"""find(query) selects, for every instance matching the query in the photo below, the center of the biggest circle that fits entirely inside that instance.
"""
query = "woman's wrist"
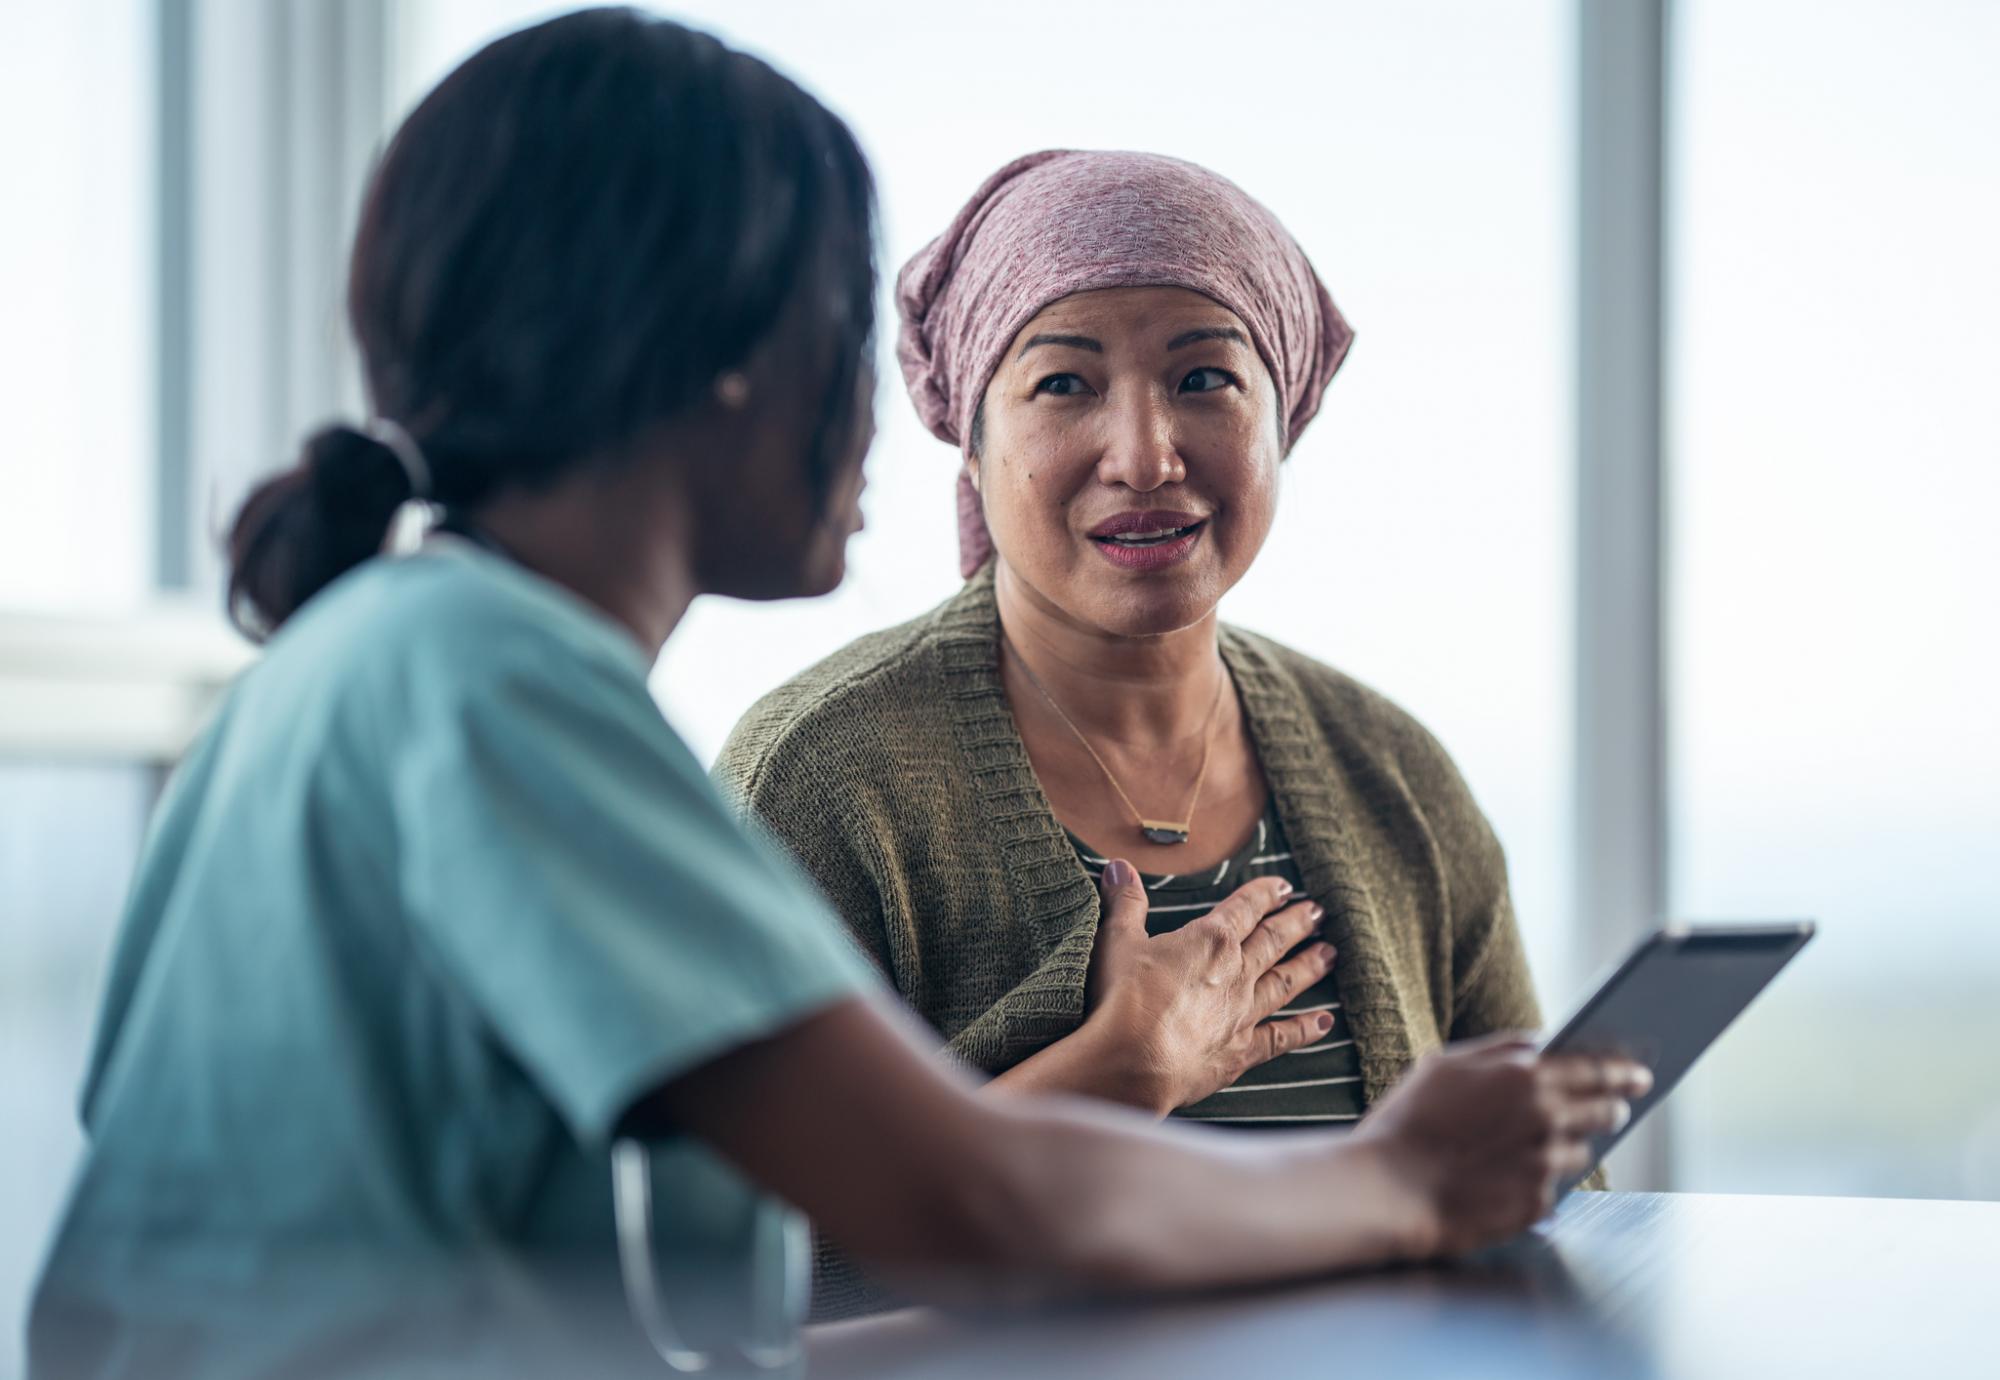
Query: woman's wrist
(1127, 1070)
(1098, 1059)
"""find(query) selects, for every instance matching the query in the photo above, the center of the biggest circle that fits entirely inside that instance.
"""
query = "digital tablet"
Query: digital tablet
(1670, 999)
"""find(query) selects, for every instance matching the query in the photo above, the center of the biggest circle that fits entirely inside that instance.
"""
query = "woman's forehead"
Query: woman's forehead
(1128, 315)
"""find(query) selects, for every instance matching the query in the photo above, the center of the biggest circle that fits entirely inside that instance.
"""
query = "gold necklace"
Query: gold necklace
(1160, 831)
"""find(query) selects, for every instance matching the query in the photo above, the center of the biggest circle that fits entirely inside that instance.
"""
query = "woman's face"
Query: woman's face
(1128, 457)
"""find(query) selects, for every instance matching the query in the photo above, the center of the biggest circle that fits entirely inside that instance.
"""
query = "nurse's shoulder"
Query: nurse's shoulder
(404, 640)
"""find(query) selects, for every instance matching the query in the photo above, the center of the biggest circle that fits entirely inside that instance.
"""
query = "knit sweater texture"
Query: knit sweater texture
(893, 770)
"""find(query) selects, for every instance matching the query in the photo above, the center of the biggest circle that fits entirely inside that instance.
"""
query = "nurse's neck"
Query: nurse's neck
(614, 535)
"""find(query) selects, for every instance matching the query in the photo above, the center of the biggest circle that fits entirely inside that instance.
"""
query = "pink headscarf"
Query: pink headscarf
(1064, 221)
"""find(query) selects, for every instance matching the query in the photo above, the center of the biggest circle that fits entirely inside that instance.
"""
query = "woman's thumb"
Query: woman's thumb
(1124, 912)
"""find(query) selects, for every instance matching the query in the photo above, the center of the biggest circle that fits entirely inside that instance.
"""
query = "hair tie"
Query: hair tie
(399, 443)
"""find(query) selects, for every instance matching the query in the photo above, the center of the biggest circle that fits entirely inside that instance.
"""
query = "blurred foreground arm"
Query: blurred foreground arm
(952, 1196)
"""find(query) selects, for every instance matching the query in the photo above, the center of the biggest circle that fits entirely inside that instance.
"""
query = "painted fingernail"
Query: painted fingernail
(1284, 887)
(1118, 872)
(1317, 911)
(1323, 1022)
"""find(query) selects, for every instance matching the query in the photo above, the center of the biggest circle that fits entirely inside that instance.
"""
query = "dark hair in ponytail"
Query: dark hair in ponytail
(301, 530)
(565, 244)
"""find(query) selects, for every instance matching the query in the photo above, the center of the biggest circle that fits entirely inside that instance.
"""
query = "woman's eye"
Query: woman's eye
(1206, 381)
(1061, 385)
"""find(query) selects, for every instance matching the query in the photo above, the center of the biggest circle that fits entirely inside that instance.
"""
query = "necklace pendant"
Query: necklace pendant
(1163, 831)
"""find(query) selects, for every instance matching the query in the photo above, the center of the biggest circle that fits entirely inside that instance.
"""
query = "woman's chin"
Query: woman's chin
(1148, 591)
(1121, 603)
(1153, 605)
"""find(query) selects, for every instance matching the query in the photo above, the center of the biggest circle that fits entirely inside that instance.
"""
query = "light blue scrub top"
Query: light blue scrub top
(436, 898)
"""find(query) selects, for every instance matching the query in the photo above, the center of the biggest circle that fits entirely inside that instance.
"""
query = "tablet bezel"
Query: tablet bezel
(1781, 940)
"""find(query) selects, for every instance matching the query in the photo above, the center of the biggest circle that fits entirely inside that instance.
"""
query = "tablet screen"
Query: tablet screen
(1671, 998)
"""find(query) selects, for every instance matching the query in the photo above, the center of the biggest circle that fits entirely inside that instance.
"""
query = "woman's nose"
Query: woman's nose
(1141, 453)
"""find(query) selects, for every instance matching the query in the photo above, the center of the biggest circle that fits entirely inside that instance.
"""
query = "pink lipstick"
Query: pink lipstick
(1148, 539)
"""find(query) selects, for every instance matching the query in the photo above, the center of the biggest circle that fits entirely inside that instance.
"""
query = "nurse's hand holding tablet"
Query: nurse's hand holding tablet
(1487, 1132)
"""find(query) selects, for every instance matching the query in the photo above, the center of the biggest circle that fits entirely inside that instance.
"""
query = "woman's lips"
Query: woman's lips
(1152, 549)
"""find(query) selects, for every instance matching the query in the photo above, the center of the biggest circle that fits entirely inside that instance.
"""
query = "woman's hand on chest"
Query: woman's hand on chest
(1188, 1013)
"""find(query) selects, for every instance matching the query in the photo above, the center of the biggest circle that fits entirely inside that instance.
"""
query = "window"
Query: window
(1835, 584)
(76, 275)
(69, 835)
(77, 347)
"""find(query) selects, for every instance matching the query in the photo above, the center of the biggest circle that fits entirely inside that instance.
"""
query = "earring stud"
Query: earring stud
(732, 389)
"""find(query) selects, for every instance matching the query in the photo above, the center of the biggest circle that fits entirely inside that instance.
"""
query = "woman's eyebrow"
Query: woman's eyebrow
(1075, 342)
(1207, 333)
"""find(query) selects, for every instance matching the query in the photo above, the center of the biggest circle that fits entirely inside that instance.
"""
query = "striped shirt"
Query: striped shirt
(1320, 1082)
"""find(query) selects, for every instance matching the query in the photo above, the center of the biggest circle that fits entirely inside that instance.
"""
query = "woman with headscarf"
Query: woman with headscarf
(1124, 348)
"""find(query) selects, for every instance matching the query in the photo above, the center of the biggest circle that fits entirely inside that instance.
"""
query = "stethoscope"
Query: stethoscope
(632, 1208)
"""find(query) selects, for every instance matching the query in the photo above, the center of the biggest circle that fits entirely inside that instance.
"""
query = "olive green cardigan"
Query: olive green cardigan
(894, 772)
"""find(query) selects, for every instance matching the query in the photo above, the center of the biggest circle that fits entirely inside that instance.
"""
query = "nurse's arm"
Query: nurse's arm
(953, 1196)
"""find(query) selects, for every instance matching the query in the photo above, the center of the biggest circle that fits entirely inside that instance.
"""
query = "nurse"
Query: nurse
(453, 1025)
